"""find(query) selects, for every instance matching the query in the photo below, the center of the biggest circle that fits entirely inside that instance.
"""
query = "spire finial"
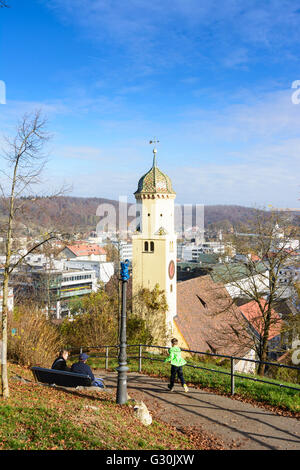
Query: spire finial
(154, 142)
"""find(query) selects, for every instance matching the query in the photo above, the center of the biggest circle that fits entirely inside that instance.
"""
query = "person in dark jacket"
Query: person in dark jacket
(81, 367)
(60, 362)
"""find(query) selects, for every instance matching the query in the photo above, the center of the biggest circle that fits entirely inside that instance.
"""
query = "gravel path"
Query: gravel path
(239, 425)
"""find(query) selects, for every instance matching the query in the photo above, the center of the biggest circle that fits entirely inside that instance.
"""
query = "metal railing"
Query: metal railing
(233, 361)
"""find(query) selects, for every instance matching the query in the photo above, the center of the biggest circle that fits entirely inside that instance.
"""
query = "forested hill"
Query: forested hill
(83, 214)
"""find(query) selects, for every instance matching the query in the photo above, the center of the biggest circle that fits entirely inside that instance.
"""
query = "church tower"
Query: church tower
(154, 244)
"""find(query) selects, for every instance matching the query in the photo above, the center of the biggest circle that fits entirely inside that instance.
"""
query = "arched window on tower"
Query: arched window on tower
(152, 246)
(146, 246)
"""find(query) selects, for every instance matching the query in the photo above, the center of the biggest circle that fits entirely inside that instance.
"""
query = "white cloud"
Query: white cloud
(80, 153)
(241, 154)
(175, 30)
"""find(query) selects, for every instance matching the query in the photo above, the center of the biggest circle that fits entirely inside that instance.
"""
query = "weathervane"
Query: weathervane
(154, 142)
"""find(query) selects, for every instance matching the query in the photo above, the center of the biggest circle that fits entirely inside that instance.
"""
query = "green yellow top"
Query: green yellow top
(175, 357)
(155, 181)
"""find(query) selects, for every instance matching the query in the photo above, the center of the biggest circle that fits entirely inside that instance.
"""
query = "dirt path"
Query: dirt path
(239, 425)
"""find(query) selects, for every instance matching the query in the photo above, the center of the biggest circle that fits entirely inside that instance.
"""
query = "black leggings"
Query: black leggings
(176, 370)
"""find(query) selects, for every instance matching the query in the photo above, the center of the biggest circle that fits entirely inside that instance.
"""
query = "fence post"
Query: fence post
(232, 375)
(106, 358)
(140, 358)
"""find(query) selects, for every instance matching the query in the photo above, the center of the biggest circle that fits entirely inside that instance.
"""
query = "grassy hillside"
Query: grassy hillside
(47, 418)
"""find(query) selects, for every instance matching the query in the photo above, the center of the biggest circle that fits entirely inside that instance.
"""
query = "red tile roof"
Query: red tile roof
(208, 319)
(86, 249)
(254, 316)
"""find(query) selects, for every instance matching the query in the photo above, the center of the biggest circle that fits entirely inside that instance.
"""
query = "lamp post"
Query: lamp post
(122, 369)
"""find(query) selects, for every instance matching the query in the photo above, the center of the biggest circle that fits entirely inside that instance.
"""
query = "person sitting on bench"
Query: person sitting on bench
(60, 362)
(81, 367)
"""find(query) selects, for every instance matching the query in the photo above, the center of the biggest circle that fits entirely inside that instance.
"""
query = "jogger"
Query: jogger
(176, 365)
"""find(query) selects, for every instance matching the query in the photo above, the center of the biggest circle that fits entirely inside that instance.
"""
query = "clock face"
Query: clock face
(171, 269)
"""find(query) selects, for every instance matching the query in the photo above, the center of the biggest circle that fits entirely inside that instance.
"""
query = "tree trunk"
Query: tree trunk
(263, 358)
(264, 345)
(4, 372)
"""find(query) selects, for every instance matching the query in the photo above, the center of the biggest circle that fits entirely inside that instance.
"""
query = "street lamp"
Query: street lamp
(122, 369)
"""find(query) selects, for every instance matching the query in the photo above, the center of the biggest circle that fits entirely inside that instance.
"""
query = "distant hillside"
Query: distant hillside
(79, 214)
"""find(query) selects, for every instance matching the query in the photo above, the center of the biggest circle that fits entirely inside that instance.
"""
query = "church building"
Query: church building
(200, 311)
(154, 245)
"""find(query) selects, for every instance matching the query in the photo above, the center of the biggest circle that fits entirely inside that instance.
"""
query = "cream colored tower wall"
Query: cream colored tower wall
(152, 267)
(157, 213)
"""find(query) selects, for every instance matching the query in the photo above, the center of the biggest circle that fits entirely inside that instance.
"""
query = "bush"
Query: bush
(288, 375)
(137, 331)
(93, 322)
(32, 339)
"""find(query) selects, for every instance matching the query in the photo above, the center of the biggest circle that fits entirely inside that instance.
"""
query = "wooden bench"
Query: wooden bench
(60, 377)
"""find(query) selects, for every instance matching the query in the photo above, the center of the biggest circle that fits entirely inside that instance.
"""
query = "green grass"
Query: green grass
(40, 428)
(273, 395)
(47, 418)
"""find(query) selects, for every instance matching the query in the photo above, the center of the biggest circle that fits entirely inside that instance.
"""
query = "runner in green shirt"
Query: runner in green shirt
(176, 365)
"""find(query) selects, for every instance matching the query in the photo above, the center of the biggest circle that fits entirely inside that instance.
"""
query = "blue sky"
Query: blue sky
(211, 79)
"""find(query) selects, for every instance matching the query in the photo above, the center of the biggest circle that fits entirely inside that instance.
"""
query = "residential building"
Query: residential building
(103, 270)
(125, 250)
(83, 250)
(208, 322)
(53, 289)
(289, 274)
(252, 313)
(240, 278)
(191, 252)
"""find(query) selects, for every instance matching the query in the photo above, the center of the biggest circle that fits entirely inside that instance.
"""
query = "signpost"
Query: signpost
(122, 369)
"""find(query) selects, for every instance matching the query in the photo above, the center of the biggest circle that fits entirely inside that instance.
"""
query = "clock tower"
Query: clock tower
(154, 244)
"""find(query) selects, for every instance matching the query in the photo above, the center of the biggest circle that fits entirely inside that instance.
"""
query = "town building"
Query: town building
(54, 289)
(289, 275)
(252, 313)
(207, 321)
(192, 314)
(154, 244)
(103, 270)
(125, 250)
(192, 252)
(84, 250)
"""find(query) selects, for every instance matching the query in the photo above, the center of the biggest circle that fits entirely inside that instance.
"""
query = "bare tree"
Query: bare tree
(267, 249)
(3, 4)
(26, 160)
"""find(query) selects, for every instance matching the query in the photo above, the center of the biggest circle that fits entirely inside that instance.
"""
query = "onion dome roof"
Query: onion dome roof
(155, 181)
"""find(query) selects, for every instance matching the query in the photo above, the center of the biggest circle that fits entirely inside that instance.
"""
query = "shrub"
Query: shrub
(93, 322)
(288, 375)
(151, 306)
(32, 339)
